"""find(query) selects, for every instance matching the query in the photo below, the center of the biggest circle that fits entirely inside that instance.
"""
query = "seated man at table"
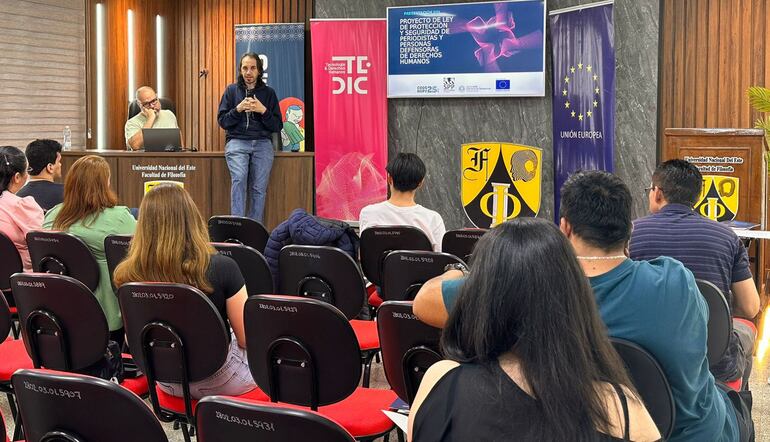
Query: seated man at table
(44, 159)
(150, 116)
(710, 250)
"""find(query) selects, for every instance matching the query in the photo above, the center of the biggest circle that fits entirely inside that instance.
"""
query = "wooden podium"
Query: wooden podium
(734, 168)
(206, 177)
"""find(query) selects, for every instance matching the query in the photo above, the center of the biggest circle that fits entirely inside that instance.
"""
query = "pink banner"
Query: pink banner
(351, 115)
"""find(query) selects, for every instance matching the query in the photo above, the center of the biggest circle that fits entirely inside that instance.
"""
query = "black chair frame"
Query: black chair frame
(414, 372)
(307, 288)
(177, 344)
(315, 286)
(11, 264)
(416, 278)
(61, 436)
(719, 315)
(221, 232)
(274, 363)
(461, 242)
(57, 331)
(305, 368)
(283, 423)
(661, 407)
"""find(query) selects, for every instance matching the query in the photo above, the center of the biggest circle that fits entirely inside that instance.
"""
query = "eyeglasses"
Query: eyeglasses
(149, 103)
(647, 190)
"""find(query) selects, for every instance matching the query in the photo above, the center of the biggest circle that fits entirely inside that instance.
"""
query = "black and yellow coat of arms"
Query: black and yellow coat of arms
(719, 198)
(500, 181)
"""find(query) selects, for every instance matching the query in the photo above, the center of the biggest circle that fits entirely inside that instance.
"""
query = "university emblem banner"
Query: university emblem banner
(583, 91)
(500, 181)
(719, 198)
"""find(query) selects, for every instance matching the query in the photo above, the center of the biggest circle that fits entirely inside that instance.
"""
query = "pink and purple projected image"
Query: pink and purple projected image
(467, 49)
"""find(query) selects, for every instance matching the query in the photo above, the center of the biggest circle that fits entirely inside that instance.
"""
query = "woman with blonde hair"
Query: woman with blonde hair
(171, 244)
(90, 212)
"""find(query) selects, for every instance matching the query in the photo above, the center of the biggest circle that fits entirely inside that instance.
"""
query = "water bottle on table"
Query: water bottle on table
(67, 138)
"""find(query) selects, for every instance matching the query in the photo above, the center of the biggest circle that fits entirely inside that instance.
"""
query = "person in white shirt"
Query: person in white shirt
(406, 173)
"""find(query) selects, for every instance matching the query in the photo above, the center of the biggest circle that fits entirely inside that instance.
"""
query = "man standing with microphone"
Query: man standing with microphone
(249, 114)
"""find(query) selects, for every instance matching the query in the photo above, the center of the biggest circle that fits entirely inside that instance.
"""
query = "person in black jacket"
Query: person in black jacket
(249, 113)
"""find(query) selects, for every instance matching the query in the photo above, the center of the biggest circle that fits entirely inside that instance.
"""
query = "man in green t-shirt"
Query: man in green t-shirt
(150, 116)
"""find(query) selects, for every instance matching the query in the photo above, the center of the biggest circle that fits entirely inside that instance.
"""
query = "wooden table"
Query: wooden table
(206, 176)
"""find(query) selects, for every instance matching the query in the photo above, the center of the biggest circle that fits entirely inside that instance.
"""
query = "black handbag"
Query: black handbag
(110, 367)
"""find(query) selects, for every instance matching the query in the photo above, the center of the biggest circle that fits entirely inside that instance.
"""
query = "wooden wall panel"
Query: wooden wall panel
(206, 41)
(42, 79)
(711, 52)
(199, 36)
(116, 59)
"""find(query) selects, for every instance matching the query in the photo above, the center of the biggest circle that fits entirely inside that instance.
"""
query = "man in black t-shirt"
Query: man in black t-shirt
(44, 157)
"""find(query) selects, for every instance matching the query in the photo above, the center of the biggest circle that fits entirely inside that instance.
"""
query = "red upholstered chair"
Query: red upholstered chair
(405, 271)
(13, 356)
(176, 335)
(238, 230)
(329, 274)
(83, 408)
(461, 242)
(409, 347)
(304, 352)
(377, 242)
(252, 264)
(63, 325)
(10, 263)
(220, 419)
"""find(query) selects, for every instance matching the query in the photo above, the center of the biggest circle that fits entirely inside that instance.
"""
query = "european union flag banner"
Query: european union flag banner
(281, 46)
(583, 91)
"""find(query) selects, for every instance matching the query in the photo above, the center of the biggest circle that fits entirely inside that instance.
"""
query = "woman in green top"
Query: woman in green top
(90, 212)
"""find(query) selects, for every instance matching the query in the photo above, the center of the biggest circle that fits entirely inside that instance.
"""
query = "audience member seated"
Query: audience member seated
(655, 304)
(90, 212)
(710, 250)
(171, 244)
(522, 368)
(44, 157)
(18, 215)
(151, 116)
(406, 173)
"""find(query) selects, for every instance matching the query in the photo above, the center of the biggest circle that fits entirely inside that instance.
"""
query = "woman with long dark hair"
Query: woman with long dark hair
(249, 114)
(528, 356)
(17, 215)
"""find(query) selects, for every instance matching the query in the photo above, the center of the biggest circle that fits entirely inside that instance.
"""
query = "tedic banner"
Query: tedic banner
(350, 115)
(583, 92)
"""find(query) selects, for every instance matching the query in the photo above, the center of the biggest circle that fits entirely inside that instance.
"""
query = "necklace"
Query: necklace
(601, 258)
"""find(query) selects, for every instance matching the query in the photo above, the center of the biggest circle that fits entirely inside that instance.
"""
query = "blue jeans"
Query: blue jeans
(249, 162)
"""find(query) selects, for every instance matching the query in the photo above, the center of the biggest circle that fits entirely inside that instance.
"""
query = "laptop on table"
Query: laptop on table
(162, 140)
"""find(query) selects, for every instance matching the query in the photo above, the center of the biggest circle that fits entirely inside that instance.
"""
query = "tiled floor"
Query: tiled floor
(759, 387)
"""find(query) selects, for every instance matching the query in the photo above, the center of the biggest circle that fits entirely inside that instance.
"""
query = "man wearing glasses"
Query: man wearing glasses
(151, 116)
(712, 251)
